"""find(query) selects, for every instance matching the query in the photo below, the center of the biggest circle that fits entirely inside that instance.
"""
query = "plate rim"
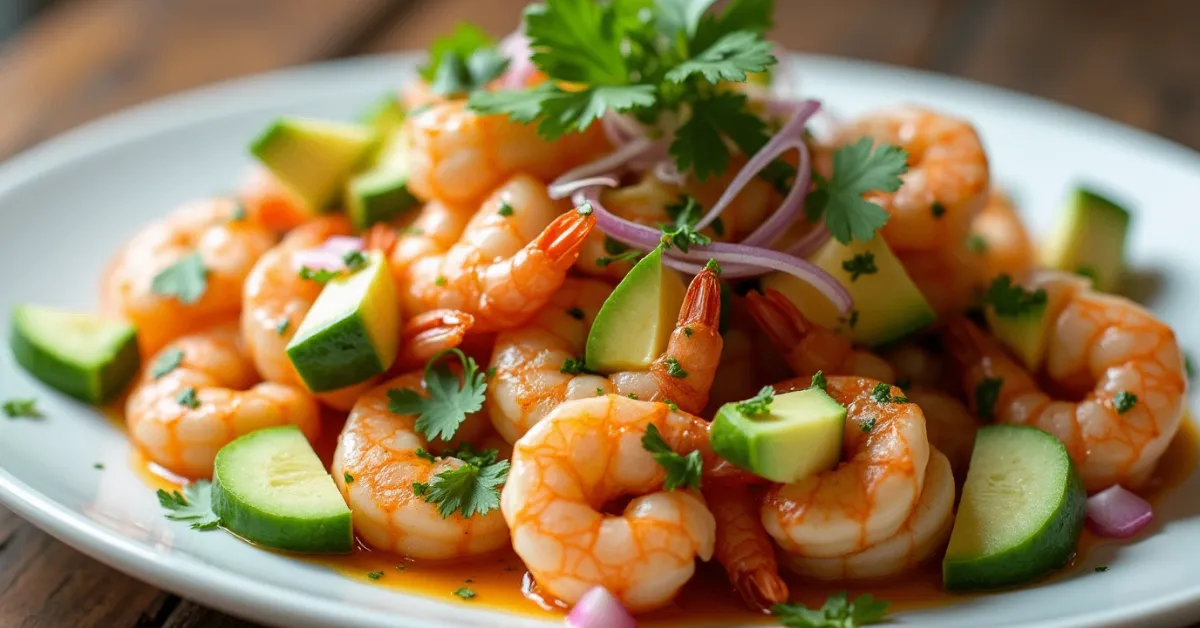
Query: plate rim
(187, 576)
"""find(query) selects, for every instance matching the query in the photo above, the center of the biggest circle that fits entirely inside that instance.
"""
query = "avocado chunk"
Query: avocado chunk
(633, 326)
(313, 158)
(1089, 239)
(1025, 331)
(381, 193)
(270, 488)
(351, 332)
(384, 115)
(800, 435)
(83, 355)
(887, 304)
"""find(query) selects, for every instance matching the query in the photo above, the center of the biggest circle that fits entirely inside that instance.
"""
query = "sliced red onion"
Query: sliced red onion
(317, 259)
(667, 170)
(565, 185)
(342, 245)
(520, 64)
(620, 128)
(1118, 513)
(599, 609)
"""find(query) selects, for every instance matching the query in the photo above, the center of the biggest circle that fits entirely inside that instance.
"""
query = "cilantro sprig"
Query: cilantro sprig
(462, 62)
(838, 612)
(450, 399)
(1012, 300)
(21, 409)
(471, 488)
(858, 168)
(758, 404)
(193, 505)
(682, 471)
(186, 280)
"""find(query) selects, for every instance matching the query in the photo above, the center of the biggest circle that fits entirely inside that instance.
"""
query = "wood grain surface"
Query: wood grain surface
(1136, 62)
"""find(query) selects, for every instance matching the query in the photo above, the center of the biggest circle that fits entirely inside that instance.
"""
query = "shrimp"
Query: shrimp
(228, 248)
(743, 547)
(950, 279)
(502, 271)
(375, 465)
(916, 365)
(434, 230)
(1130, 360)
(269, 203)
(275, 302)
(180, 419)
(748, 358)
(946, 184)
(585, 454)
(923, 533)
(949, 426)
(1000, 239)
(425, 335)
(870, 495)
(458, 156)
(808, 347)
(533, 375)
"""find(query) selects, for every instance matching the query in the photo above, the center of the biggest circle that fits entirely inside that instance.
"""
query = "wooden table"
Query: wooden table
(1137, 62)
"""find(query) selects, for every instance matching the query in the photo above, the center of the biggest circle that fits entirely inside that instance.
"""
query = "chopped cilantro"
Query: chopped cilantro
(687, 331)
(937, 209)
(674, 407)
(683, 237)
(818, 381)
(347, 478)
(449, 401)
(613, 246)
(168, 360)
(838, 612)
(712, 265)
(851, 319)
(186, 280)
(187, 398)
(1101, 569)
(473, 487)
(440, 280)
(21, 409)
(1124, 401)
(239, 212)
(572, 366)
(858, 168)
(882, 393)
(505, 210)
(194, 505)
(976, 243)
(633, 396)
(283, 326)
(1011, 300)
(681, 470)
(423, 454)
(319, 275)
(375, 575)
(354, 260)
(99, 466)
(674, 370)
(758, 404)
(987, 393)
(867, 425)
(599, 391)
(465, 593)
(575, 313)
(462, 62)
(861, 264)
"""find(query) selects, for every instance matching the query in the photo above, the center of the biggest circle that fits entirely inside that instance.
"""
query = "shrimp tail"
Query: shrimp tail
(778, 317)
(702, 302)
(743, 547)
(685, 371)
(427, 333)
(563, 238)
(966, 344)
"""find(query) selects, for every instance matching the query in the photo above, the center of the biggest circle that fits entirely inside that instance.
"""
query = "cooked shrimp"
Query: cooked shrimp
(870, 495)
(275, 301)
(585, 454)
(808, 347)
(923, 534)
(950, 279)
(502, 270)
(748, 358)
(228, 248)
(743, 547)
(181, 418)
(425, 335)
(532, 373)
(434, 230)
(270, 204)
(375, 466)
(946, 184)
(949, 425)
(458, 156)
(1130, 360)
(1001, 241)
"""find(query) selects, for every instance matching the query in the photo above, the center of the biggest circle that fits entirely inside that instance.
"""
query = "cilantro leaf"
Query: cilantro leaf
(860, 264)
(1124, 401)
(578, 41)
(987, 393)
(194, 505)
(818, 381)
(867, 425)
(681, 470)
(354, 260)
(458, 75)
(465, 593)
(186, 280)
(573, 366)
(319, 275)
(758, 404)
(739, 15)
(674, 369)
(464, 40)
(1010, 300)
(699, 143)
(167, 361)
(187, 398)
(470, 488)
(858, 168)
(21, 409)
(730, 58)
(680, 17)
(449, 401)
(838, 612)
(558, 111)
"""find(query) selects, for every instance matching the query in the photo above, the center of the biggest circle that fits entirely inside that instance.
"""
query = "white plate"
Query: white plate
(66, 206)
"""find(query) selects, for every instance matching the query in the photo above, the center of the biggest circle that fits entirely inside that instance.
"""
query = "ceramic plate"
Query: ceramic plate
(66, 206)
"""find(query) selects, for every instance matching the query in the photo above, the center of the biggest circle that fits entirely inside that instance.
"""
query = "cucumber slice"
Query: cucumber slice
(270, 488)
(800, 435)
(1021, 514)
(83, 355)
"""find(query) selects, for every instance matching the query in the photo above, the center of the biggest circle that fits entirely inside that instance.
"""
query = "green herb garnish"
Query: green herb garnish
(193, 505)
(758, 404)
(818, 381)
(861, 264)
(450, 400)
(1124, 401)
(858, 168)
(187, 398)
(168, 360)
(473, 487)
(186, 280)
(987, 393)
(21, 409)
(319, 275)
(462, 62)
(838, 612)
(674, 370)
(681, 470)
(1011, 300)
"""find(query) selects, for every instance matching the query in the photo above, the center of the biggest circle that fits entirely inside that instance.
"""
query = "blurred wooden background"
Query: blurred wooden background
(1136, 62)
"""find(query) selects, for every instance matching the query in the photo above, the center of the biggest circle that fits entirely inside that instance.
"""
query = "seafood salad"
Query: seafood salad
(603, 303)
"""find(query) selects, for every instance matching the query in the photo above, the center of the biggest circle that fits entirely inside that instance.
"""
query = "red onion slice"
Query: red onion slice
(1118, 513)
(565, 185)
(599, 609)
(342, 245)
(317, 259)
(520, 64)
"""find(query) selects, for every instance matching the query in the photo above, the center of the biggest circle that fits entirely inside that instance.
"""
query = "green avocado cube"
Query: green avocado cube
(314, 158)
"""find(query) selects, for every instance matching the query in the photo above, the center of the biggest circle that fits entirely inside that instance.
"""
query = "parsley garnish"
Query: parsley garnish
(21, 409)
(1189, 367)
(505, 210)
(347, 478)
(599, 391)
(462, 62)
(681, 470)
(633, 396)
(758, 404)
(868, 425)
(465, 593)
(838, 612)
(674, 407)
(449, 401)
(683, 237)
(354, 260)
(473, 487)
(986, 395)
(1124, 401)
(167, 361)
(937, 209)
(861, 264)
(193, 505)
(572, 366)
(1101, 569)
(882, 393)
(440, 280)
(425, 455)
(712, 265)
(687, 331)
(489, 373)
(186, 280)
(319, 275)
(99, 466)
(283, 326)
(187, 398)
(575, 313)
(674, 370)
(375, 575)
(976, 243)
(1009, 300)
(818, 381)
(858, 168)
(239, 212)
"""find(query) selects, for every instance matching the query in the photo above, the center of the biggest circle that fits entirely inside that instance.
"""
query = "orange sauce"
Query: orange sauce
(500, 582)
